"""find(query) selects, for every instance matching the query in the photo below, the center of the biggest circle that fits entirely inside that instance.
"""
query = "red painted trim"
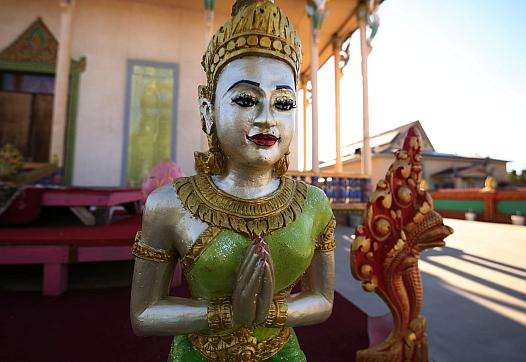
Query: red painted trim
(490, 199)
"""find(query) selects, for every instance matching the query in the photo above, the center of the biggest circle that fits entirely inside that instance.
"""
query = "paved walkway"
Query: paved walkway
(474, 292)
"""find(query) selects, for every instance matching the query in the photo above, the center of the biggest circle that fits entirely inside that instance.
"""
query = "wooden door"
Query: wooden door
(15, 119)
(25, 122)
(40, 133)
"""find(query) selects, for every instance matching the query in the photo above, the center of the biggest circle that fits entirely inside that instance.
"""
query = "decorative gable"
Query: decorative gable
(36, 45)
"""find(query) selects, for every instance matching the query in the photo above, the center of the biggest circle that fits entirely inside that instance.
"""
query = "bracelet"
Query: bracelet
(146, 252)
(219, 314)
(277, 313)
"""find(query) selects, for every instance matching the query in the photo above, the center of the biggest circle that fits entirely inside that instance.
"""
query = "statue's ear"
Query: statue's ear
(206, 109)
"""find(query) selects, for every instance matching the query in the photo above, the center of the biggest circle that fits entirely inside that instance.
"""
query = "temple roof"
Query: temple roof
(392, 140)
(388, 142)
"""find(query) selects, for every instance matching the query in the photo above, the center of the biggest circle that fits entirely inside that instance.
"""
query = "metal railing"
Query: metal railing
(345, 191)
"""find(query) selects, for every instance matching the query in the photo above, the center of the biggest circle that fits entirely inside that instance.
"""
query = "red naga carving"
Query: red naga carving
(399, 223)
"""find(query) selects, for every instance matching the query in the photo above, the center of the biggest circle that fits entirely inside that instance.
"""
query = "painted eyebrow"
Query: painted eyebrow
(284, 87)
(246, 81)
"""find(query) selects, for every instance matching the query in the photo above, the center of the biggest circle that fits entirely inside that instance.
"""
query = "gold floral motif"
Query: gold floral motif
(146, 252)
(219, 314)
(239, 346)
(326, 241)
(250, 217)
(198, 248)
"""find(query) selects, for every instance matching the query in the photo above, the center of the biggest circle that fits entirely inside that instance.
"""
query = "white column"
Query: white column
(366, 149)
(209, 26)
(60, 97)
(314, 82)
(305, 104)
(294, 147)
(337, 44)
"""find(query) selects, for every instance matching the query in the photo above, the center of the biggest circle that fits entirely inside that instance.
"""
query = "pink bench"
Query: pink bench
(56, 247)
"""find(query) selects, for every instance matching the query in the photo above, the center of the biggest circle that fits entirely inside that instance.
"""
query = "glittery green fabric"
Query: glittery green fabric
(292, 247)
(213, 274)
(182, 351)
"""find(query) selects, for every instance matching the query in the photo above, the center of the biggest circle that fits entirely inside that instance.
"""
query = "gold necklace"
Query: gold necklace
(248, 216)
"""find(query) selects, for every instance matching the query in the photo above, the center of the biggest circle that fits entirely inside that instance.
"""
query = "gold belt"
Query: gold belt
(239, 346)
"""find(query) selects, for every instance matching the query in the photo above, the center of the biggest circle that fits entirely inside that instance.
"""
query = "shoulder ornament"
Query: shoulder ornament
(326, 240)
(146, 252)
(247, 216)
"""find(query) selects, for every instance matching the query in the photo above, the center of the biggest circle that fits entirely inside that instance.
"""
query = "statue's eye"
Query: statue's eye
(284, 103)
(245, 100)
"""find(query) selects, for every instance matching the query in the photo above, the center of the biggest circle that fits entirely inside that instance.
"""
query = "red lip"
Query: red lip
(262, 139)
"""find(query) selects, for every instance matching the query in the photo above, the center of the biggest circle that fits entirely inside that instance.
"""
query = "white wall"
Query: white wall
(108, 33)
(15, 17)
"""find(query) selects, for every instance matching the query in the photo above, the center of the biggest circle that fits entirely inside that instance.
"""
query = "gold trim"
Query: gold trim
(326, 241)
(239, 346)
(219, 314)
(198, 248)
(248, 216)
(277, 313)
(256, 28)
(146, 252)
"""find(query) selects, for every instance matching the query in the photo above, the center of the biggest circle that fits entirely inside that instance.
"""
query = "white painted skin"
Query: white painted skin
(249, 166)
(235, 122)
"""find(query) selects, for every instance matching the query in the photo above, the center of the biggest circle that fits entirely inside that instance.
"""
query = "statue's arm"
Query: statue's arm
(314, 303)
(152, 310)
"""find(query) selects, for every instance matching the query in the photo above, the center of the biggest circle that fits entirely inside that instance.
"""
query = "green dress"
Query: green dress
(294, 217)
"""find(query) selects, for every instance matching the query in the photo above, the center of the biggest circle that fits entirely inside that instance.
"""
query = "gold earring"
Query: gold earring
(211, 162)
(281, 167)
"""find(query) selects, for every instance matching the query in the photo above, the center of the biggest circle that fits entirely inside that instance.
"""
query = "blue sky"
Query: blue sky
(458, 66)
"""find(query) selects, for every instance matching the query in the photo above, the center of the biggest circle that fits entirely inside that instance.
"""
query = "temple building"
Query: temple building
(106, 89)
(440, 170)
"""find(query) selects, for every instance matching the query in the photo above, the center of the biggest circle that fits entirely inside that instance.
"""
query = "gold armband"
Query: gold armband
(326, 240)
(146, 252)
(219, 314)
(277, 312)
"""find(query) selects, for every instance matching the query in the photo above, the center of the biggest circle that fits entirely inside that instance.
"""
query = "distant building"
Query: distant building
(440, 170)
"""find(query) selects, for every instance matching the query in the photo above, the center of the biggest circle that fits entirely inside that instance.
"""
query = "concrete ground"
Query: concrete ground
(474, 292)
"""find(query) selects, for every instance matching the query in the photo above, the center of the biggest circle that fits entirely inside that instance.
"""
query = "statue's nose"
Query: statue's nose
(265, 118)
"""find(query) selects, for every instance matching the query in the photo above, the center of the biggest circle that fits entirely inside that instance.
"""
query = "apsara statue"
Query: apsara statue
(399, 223)
(242, 231)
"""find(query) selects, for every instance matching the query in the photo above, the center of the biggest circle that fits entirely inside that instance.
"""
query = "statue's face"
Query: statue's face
(254, 111)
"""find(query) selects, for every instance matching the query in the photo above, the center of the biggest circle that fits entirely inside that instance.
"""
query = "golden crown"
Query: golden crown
(257, 27)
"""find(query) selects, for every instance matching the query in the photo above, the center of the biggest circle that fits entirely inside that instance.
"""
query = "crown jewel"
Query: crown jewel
(257, 27)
